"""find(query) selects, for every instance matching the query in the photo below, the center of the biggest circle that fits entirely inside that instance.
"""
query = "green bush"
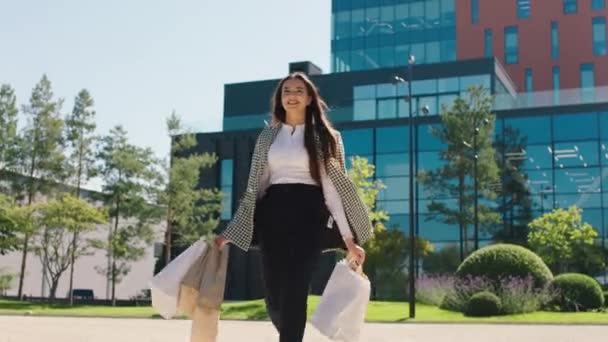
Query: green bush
(483, 304)
(503, 261)
(577, 292)
(606, 299)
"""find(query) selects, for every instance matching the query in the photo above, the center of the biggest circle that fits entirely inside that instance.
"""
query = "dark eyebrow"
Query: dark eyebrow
(298, 88)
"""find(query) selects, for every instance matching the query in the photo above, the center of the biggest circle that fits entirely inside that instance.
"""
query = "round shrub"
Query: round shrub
(577, 292)
(483, 304)
(501, 261)
(606, 299)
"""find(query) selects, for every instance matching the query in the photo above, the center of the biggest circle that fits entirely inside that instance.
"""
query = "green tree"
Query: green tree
(9, 228)
(130, 177)
(556, 236)
(470, 117)
(40, 153)
(191, 212)
(443, 261)
(515, 202)
(8, 128)
(80, 164)
(61, 219)
(6, 281)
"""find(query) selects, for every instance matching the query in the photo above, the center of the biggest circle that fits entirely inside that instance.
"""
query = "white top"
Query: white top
(288, 163)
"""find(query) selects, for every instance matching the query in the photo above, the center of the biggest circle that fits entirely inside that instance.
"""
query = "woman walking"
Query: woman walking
(297, 193)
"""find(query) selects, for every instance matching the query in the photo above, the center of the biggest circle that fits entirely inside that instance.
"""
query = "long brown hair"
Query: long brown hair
(316, 122)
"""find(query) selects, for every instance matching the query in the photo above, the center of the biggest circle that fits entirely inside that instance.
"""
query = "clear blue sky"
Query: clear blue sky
(140, 59)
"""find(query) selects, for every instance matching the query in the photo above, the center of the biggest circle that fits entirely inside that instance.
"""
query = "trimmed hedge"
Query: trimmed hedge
(483, 304)
(501, 261)
(577, 292)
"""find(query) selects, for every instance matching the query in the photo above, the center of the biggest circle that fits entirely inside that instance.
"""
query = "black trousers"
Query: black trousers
(290, 222)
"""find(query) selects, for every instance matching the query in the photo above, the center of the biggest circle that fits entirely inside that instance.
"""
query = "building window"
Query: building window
(511, 45)
(599, 36)
(226, 175)
(555, 78)
(523, 9)
(475, 11)
(488, 40)
(556, 84)
(570, 6)
(554, 40)
(587, 76)
(598, 4)
(529, 82)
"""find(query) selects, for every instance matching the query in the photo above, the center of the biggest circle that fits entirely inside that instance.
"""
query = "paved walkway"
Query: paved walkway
(55, 329)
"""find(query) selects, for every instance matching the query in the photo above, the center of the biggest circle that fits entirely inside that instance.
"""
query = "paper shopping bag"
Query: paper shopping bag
(340, 314)
(165, 286)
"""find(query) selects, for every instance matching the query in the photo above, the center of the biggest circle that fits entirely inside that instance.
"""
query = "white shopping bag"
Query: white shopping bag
(341, 311)
(165, 286)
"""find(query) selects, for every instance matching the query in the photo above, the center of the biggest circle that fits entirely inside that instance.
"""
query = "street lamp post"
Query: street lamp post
(411, 269)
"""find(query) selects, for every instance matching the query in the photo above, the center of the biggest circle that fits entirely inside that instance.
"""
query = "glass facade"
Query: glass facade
(511, 45)
(226, 176)
(523, 9)
(390, 100)
(554, 40)
(377, 34)
(570, 6)
(599, 36)
(563, 165)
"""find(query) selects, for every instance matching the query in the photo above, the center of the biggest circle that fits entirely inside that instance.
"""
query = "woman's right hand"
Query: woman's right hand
(221, 241)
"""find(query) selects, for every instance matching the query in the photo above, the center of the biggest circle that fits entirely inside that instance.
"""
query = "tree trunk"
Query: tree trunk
(461, 214)
(74, 239)
(113, 270)
(26, 236)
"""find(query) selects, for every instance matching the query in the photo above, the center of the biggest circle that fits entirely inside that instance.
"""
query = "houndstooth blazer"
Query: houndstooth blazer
(240, 228)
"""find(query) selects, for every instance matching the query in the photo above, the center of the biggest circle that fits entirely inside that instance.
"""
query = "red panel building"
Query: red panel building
(574, 36)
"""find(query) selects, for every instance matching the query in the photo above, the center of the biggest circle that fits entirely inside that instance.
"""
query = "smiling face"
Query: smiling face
(295, 96)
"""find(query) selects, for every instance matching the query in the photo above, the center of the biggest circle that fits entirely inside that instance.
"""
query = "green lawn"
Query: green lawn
(255, 310)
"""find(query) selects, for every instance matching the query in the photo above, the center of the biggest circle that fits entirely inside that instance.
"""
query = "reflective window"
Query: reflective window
(577, 180)
(364, 110)
(433, 54)
(386, 90)
(603, 124)
(529, 85)
(447, 101)
(511, 45)
(539, 182)
(574, 126)
(364, 92)
(396, 164)
(357, 18)
(426, 140)
(394, 207)
(523, 9)
(434, 229)
(604, 161)
(448, 13)
(226, 176)
(448, 84)
(488, 42)
(532, 157)
(342, 25)
(554, 40)
(387, 56)
(598, 4)
(528, 128)
(576, 154)
(392, 139)
(387, 108)
(474, 81)
(402, 14)
(387, 16)
(397, 188)
(580, 200)
(556, 78)
(427, 102)
(358, 141)
(424, 87)
(599, 36)
(570, 6)
(430, 161)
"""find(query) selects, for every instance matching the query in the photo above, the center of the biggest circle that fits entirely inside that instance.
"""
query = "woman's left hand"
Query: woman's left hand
(355, 251)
